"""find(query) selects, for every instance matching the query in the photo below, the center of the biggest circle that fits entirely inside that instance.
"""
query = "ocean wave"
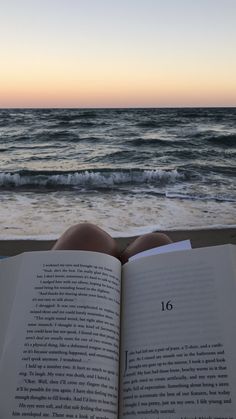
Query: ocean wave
(228, 140)
(207, 170)
(150, 124)
(85, 114)
(139, 142)
(56, 135)
(98, 179)
(172, 195)
(212, 137)
(159, 123)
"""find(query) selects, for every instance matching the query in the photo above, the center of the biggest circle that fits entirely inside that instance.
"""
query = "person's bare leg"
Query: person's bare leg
(86, 236)
(145, 242)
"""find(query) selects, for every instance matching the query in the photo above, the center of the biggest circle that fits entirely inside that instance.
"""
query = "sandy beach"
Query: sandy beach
(198, 237)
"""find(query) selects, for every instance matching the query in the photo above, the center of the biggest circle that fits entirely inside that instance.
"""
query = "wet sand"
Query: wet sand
(198, 237)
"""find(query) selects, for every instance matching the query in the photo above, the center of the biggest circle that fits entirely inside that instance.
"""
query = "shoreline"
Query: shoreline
(201, 237)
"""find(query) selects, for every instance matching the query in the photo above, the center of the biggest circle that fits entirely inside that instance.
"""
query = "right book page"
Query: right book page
(178, 357)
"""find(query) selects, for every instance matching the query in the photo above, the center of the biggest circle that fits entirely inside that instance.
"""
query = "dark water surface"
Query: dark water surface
(129, 170)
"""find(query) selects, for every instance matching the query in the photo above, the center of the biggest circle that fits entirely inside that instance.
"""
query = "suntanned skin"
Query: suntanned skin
(86, 236)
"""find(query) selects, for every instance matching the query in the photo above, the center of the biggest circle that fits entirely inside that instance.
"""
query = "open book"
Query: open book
(82, 337)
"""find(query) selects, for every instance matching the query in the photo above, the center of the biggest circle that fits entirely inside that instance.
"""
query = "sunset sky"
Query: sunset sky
(117, 53)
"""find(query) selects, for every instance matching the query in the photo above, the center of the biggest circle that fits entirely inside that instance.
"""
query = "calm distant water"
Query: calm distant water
(128, 170)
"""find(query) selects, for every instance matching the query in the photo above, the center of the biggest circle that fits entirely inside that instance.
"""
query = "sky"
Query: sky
(117, 53)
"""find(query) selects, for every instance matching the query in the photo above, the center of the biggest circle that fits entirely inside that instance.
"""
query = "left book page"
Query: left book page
(60, 340)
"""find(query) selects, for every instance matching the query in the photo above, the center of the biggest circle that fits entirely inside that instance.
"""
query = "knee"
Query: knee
(78, 233)
(82, 231)
(145, 242)
(150, 240)
(86, 236)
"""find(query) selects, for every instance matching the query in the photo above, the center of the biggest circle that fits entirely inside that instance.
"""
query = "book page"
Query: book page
(61, 352)
(172, 247)
(178, 357)
(8, 283)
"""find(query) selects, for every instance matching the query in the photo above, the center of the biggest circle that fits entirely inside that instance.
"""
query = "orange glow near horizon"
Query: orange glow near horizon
(115, 91)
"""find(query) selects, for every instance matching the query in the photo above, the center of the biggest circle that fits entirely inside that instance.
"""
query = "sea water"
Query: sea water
(127, 170)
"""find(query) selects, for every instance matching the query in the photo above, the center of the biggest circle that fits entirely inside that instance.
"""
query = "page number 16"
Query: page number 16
(166, 305)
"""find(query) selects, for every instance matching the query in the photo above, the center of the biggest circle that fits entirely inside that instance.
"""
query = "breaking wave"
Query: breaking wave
(87, 179)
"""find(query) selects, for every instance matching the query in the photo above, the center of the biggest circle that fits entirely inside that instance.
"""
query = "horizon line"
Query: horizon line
(120, 107)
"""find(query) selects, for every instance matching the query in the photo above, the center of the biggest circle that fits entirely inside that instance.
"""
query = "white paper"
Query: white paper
(172, 247)
(178, 336)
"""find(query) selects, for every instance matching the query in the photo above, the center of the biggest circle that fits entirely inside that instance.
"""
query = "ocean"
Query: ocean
(128, 170)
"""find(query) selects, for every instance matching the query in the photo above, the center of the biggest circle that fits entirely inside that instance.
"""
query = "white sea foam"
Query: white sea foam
(199, 197)
(102, 179)
(44, 216)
